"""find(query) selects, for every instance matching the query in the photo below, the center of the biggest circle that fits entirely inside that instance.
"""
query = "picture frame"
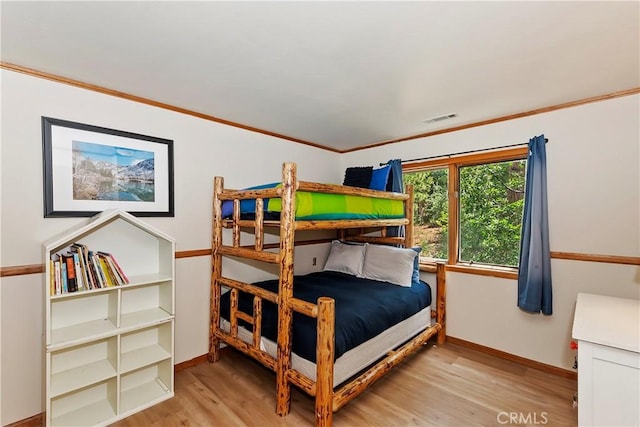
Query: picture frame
(88, 169)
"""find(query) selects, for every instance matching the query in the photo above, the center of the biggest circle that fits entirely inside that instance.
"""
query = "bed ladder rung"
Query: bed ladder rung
(244, 316)
(249, 223)
(243, 252)
(250, 289)
(254, 320)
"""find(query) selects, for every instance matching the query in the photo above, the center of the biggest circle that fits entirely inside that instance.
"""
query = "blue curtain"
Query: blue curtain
(534, 277)
(398, 187)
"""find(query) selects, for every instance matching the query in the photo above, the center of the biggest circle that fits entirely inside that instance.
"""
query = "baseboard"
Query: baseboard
(189, 363)
(517, 359)
(35, 421)
(197, 360)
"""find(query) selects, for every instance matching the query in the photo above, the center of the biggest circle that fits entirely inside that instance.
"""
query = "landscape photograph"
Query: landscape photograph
(105, 172)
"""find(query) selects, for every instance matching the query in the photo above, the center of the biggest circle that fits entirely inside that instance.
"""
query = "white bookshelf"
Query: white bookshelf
(110, 351)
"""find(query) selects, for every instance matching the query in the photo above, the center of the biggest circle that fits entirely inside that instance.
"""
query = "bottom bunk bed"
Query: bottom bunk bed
(371, 319)
(331, 333)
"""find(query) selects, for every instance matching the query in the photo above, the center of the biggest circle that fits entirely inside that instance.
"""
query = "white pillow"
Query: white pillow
(389, 264)
(345, 258)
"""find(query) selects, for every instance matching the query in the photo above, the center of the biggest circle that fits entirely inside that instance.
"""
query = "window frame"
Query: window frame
(454, 163)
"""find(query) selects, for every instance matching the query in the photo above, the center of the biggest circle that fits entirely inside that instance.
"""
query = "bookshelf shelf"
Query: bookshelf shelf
(109, 350)
(146, 279)
(82, 332)
(147, 392)
(144, 385)
(144, 318)
(80, 294)
(91, 414)
(81, 376)
(143, 357)
(145, 347)
(135, 281)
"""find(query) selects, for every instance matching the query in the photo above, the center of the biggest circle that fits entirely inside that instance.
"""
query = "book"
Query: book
(98, 270)
(58, 278)
(112, 268)
(52, 278)
(72, 282)
(57, 274)
(115, 267)
(80, 278)
(92, 274)
(120, 270)
(106, 270)
(63, 276)
(84, 270)
(108, 267)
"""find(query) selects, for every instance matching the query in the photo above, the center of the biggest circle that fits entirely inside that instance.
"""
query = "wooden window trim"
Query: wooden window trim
(517, 153)
(453, 222)
(454, 163)
(480, 270)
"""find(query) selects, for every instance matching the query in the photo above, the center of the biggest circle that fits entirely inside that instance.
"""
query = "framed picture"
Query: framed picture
(88, 169)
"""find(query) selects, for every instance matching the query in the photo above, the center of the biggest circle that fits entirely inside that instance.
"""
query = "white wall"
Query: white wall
(202, 150)
(593, 158)
(593, 161)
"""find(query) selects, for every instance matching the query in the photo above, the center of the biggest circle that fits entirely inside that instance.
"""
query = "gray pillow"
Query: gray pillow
(389, 264)
(345, 258)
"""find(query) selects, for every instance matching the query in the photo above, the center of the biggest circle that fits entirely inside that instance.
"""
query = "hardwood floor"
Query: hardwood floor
(447, 385)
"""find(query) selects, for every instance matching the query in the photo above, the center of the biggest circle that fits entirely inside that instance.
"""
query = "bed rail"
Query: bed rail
(354, 191)
(254, 319)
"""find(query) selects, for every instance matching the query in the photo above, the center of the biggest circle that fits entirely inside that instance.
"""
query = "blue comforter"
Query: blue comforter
(364, 309)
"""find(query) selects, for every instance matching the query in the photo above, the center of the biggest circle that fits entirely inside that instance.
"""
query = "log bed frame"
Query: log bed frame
(327, 400)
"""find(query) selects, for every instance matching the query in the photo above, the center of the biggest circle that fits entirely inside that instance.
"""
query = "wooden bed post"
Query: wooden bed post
(441, 297)
(324, 361)
(408, 209)
(285, 287)
(216, 273)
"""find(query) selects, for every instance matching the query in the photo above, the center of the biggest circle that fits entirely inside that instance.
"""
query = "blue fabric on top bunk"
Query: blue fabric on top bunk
(247, 206)
(364, 309)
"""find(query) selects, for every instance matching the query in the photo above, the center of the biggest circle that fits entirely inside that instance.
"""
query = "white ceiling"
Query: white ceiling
(337, 74)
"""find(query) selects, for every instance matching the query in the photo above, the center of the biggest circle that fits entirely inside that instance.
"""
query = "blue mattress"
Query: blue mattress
(364, 309)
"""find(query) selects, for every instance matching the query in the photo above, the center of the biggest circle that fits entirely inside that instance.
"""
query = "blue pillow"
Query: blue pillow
(246, 205)
(415, 279)
(379, 178)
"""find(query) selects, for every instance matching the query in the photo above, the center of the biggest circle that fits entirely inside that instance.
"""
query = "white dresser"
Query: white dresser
(608, 333)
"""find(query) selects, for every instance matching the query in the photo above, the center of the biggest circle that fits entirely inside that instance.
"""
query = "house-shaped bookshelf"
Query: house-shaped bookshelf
(110, 349)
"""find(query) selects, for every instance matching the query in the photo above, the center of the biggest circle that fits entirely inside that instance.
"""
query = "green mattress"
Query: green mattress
(323, 206)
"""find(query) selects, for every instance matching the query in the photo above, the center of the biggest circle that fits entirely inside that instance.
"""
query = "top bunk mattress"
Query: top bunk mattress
(322, 206)
(364, 308)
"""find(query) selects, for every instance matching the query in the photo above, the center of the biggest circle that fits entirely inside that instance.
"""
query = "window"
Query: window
(491, 204)
(468, 209)
(431, 211)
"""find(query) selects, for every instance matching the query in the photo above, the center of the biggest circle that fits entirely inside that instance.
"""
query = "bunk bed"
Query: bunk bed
(332, 381)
